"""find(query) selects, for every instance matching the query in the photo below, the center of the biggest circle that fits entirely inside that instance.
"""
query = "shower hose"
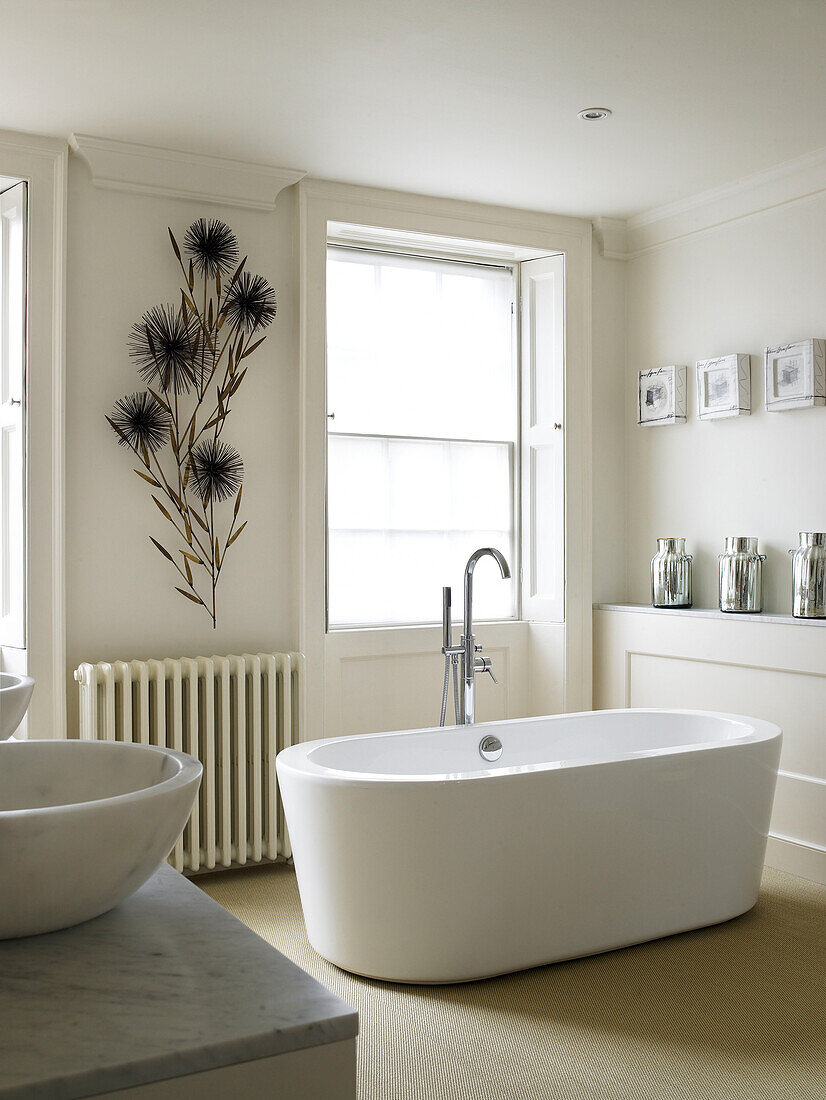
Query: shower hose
(451, 660)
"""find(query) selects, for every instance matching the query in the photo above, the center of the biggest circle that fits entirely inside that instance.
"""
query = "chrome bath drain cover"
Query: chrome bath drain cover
(490, 747)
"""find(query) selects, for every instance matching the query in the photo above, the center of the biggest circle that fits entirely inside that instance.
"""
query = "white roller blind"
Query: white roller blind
(422, 430)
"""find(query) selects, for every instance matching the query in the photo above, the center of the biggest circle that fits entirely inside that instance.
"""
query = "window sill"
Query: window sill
(378, 627)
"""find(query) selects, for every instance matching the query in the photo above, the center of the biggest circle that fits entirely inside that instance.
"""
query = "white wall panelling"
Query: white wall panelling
(545, 656)
(391, 679)
(770, 670)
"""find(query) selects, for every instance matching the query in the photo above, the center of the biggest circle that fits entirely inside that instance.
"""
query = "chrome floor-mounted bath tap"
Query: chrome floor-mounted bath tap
(464, 659)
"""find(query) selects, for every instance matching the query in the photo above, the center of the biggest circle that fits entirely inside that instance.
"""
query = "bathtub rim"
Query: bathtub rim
(297, 758)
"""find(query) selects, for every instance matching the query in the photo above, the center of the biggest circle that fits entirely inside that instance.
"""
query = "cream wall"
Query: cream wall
(754, 279)
(120, 597)
(120, 592)
(758, 280)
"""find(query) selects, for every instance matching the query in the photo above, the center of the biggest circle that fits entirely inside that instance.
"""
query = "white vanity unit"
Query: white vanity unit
(167, 996)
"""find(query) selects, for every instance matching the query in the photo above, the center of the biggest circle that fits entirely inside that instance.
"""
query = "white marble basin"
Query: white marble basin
(83, 824)
(15, 693)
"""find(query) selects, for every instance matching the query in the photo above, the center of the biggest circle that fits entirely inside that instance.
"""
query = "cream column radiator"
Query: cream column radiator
(234, 714)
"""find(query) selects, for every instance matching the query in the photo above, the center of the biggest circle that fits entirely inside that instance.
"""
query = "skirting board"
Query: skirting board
(798, 859)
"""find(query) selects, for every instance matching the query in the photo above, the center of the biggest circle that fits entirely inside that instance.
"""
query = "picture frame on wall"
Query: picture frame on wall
(724, 387)
(795, 375)
(661, 396)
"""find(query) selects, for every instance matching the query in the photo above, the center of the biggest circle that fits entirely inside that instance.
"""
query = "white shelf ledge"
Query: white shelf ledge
(708, 613)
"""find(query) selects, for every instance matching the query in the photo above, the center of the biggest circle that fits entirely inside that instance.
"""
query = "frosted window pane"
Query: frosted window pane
(404, 516)
(419, 347)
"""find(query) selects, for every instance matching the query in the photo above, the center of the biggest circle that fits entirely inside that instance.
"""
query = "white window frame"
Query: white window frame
(42, 163)
(348, 236)
(12, 416)
(464, 227)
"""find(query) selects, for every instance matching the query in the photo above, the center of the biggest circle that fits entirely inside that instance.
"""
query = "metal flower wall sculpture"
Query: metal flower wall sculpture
(193, 358)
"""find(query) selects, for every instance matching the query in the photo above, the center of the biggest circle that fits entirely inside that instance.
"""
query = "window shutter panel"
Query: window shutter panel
(543, 430)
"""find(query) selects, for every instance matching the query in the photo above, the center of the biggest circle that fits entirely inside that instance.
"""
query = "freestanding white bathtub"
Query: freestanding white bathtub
(420, 861)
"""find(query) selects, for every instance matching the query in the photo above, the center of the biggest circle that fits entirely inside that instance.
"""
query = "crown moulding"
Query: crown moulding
(124, 166)
(612, 237)
(793, 181)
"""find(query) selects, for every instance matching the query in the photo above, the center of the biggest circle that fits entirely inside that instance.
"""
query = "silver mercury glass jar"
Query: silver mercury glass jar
(671, 574)
(741, 576)
(809, 576)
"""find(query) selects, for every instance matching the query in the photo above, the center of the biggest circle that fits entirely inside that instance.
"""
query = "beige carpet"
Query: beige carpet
(734, 1011)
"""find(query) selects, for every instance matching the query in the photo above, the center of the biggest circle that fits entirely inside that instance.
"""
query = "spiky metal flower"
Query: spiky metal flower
(216, 470)
(250, 303)
(164, 344)
(212, 246)
(140, 422)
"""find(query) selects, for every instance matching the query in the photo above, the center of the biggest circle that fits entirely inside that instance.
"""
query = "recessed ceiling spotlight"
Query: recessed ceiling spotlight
(594, 114)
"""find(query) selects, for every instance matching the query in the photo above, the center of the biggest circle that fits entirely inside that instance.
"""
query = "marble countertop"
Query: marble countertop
(166, 984)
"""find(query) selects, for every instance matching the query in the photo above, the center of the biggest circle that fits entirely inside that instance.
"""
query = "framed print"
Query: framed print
(723, 387)
(795, 375)
(661, 396)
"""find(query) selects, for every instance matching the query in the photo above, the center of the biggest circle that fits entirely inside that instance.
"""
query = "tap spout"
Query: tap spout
(488, 551)
(504, 569)
(468, 640)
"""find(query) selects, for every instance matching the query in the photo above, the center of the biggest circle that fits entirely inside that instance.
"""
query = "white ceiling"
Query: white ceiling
(474, 99)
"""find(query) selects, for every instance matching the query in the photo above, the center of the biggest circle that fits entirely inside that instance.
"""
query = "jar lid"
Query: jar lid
(671, 544)
(813, 538)
(741, 544)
